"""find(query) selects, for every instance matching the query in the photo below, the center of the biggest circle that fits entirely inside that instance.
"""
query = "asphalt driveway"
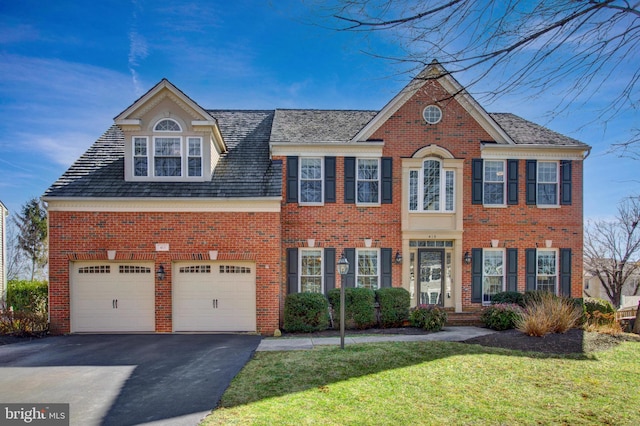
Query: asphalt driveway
(171, 379)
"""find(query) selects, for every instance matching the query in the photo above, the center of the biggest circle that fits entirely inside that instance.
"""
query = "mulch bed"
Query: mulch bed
(575, 341)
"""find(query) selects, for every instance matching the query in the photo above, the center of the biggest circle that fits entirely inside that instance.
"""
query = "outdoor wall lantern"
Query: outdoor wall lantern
(160, 273)
(398, 257)
(343, 269)
(467, 258)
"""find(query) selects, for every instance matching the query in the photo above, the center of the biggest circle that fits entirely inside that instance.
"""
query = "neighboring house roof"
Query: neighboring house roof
(244, 171)
(524, 132)
(318, 126)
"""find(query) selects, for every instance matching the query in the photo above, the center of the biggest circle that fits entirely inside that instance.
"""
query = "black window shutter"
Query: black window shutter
(349, 180)
(512, 182)
(329, 179)
(387, 180)
(476, 179)
(329, 269)
(386, 262)
(565, 272)
(292, 179)
(565, 191)
(476, 275)
(512, 269)
(292, 270)
(532, 171)
(350, 277)
(530, 269)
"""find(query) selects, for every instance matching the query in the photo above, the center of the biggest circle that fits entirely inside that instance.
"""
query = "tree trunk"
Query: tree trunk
(636, 324)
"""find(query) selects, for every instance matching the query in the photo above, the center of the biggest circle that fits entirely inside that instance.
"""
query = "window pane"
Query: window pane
(311, 168)
(492, 262)
(493, 193)
(140, 146)
(140, 166)
(168, 147)
(547, 193)
(431, 199)
(449, 190)
(547, 172)
(195, 166)
(413, 190)
(311, 191)
(368, 192)
(493, 182)
(167, 166)
(311, 271)
(167, 126)
(367, 269)
(494, 171)
(194, 147)
(546, 262)
(368, 169)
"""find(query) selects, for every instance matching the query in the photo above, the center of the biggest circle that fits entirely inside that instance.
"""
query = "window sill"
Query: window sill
(548, 206)
(495, 206)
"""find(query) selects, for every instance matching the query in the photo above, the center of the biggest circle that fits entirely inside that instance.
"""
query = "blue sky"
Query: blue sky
(66, 71)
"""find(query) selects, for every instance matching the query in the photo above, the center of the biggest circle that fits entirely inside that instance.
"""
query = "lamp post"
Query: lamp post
(343, 268)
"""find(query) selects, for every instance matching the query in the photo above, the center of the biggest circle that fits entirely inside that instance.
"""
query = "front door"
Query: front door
(431, 276)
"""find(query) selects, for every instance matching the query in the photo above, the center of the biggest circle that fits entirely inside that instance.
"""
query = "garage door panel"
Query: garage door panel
(214, 296)
(112, 297)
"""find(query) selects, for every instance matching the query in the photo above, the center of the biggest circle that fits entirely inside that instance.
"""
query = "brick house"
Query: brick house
(185, 219)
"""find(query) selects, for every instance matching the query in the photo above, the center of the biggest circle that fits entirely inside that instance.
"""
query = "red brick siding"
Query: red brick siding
(87, 233)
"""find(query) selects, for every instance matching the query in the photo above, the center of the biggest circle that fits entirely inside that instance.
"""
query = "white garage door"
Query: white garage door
(214, 296)
(112, 297)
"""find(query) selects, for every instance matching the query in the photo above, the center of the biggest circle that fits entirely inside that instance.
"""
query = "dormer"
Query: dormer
(169, 137)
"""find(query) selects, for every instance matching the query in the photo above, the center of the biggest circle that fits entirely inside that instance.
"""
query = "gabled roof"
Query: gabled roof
(436, 72)
(244, 171)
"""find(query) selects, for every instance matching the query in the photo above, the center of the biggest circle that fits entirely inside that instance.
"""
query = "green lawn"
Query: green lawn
(434, 383)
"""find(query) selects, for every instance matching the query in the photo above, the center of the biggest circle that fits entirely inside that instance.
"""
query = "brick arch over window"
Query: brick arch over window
(432, 151)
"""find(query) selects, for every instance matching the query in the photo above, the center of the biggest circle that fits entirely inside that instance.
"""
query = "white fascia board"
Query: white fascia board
(129, 122)
(342, 149)
(211, 125)
(533, 152)
(163, 205)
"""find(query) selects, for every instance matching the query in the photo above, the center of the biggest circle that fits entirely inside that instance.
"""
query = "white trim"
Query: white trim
(164, 205)
(188, 156)
(532, 152)
(134, 156)
(336, 149)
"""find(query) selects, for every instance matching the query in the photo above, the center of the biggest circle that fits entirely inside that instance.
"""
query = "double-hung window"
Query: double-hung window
(494, 182)
(167, 156)
(368, 269)
(311, 180)
(311, 271)
(194, 159)
(547, 188)
(368, 181)
(431, 188)
(546, 270)
(140, 156)
(493, 268)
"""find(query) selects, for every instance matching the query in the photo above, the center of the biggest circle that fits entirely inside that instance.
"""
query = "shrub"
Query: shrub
(428, 317)
(394, 306)
(546, 313)
(592, 304)
(23, 323)
(508, 297)
(603, 323)
(31, 296)
(359, 307)
(502, 316)
(306, 312)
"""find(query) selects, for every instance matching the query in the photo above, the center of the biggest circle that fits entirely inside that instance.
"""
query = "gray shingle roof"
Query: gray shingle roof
(244, 171)
(527, 133)
(314, 126)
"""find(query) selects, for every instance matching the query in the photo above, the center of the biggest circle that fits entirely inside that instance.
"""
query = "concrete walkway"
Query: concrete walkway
(449, 334)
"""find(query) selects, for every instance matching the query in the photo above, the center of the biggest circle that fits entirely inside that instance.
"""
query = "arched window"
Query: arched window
(167, 125)
(431, 188)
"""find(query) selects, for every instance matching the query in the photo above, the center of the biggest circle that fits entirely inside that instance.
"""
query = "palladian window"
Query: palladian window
(431, 188)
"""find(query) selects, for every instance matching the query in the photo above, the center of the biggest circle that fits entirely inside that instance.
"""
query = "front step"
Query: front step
(464, 319)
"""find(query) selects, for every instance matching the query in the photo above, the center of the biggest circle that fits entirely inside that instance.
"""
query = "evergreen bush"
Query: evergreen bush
(359, 307)
(394, 306)
(306, 312)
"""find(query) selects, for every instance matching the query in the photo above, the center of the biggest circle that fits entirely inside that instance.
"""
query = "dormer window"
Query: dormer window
(167, 125)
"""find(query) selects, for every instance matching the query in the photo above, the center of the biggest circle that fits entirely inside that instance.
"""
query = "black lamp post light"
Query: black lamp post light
(343, 269)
